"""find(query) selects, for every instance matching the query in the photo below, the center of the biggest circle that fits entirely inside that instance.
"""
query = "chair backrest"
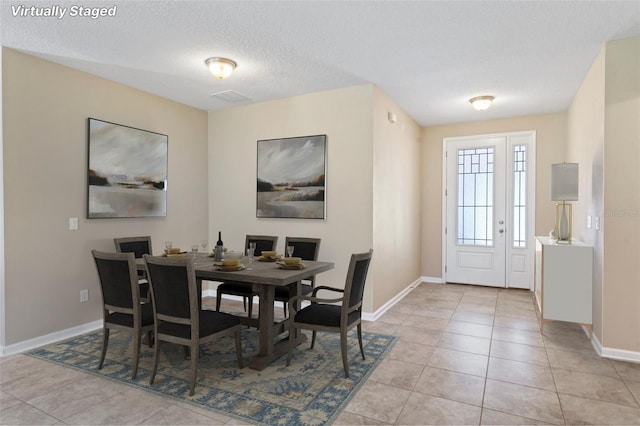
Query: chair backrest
(263, 243)
(356, 278)
(173, 288)
(305, 248)
(118, 280)
(139, 246)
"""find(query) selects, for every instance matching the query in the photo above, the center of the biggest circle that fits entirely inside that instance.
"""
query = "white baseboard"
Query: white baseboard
(372, 316)
(617, 354)
(36, 342)
(432, 280)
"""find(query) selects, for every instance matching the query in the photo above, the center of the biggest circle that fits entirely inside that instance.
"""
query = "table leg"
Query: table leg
(269, 350)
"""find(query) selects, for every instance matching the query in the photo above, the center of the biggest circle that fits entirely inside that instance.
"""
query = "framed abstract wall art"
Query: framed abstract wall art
(127, 172)
(291, 177)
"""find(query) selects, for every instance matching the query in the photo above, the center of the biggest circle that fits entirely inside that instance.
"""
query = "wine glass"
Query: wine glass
(204, 244)
(252, 247)
(290, 250)
(250, 257)
(194, 248)
(167, 246)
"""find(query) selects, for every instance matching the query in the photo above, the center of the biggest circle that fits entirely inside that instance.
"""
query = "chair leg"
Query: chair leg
(313, 338)
(195, 349)
(150, 338)
(218, 300)
(105, 343)
(156, 359)
(343, 346)
(244, 303)
(239, 348)
(360, 340)
(284, 307)
(137, 337)
(250, 312)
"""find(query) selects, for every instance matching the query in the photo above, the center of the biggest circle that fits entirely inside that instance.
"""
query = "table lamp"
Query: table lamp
(564, 187)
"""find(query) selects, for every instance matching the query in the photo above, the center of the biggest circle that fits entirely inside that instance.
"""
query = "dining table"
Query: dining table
(264, 276)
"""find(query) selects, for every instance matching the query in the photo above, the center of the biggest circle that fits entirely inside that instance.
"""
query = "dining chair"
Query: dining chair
(121, 307)
(177, 314)
(139, 246)
(327, 315)
(236, 288)
(306, 249)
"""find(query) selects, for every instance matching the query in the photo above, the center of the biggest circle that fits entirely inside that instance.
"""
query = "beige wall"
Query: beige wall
(603, 135)
(345, 116)
(550, 148)
(396, 200)
(621, 227)
(45, 166)
(585, 146)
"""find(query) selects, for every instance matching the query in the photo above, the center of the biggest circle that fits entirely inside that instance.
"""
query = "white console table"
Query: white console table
(563, 282)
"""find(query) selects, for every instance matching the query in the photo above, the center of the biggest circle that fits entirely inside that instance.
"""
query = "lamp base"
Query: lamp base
(563, 222)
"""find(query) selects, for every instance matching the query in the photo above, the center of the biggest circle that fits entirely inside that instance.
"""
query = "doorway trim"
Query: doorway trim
(531, 201)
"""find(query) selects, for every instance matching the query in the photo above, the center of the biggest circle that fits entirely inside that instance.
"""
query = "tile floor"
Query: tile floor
(466, 355)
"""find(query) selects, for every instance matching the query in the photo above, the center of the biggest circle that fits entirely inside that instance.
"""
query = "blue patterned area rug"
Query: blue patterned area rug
(311, 391)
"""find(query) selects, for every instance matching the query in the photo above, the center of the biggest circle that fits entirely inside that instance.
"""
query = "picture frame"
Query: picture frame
(127, 171)
(291, 177)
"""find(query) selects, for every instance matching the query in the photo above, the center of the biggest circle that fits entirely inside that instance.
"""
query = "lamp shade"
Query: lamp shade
(564, 182)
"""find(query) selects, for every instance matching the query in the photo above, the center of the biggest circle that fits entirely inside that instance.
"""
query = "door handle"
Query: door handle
(501, 230)
(501, 222)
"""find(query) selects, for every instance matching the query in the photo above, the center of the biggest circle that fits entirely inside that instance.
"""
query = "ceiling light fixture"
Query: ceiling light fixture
(480, 103)
(221, 67)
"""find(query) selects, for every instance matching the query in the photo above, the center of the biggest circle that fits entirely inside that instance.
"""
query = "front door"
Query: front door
(489, 214)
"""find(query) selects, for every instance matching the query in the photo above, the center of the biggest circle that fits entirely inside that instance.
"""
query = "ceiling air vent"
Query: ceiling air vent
(230, 96)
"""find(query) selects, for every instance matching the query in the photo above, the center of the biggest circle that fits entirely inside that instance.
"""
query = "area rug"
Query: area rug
(311, 391)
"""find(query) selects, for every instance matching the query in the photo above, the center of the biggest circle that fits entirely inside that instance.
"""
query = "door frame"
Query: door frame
(528, 276)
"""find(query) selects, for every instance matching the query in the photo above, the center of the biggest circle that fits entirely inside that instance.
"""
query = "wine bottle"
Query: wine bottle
(219, 247)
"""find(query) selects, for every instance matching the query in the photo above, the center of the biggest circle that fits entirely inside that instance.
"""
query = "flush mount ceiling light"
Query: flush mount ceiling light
(221, 67)
(480, 103)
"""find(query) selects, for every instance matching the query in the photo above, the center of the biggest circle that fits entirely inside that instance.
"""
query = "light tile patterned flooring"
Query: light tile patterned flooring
(466, 355)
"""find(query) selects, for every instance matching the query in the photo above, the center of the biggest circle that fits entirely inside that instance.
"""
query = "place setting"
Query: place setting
(269, 256)
(290, 262)
(229, 264)
(171, 251)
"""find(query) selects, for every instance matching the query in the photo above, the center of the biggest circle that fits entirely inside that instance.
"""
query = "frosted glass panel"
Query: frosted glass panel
(520, 196)
(475, 197)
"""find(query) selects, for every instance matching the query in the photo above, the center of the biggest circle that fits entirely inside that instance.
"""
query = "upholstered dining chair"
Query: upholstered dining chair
(263, 243)
(139, 246)
(326, 315)
(177, 314)
(306, 249)
(121, 305)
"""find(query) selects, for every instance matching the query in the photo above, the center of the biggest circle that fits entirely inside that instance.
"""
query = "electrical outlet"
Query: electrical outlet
(73, 223)
(597, 220)
(84, 295)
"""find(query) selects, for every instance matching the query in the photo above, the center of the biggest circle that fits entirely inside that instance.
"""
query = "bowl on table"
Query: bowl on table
(292, 261)
(268, 254)
(172, 250)
(228, 261)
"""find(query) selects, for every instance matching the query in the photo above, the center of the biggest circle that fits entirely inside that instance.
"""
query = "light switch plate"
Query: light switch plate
(588, 221)
(73, 223)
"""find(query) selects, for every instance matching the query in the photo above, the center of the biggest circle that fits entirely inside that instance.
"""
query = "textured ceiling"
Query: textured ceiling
(430, 57)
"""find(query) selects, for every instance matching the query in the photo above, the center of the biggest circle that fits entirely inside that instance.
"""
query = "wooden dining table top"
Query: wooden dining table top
(259, 272)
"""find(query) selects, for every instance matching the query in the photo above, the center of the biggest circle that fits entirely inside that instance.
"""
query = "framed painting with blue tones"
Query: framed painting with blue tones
(127, 172)
(291, 177)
